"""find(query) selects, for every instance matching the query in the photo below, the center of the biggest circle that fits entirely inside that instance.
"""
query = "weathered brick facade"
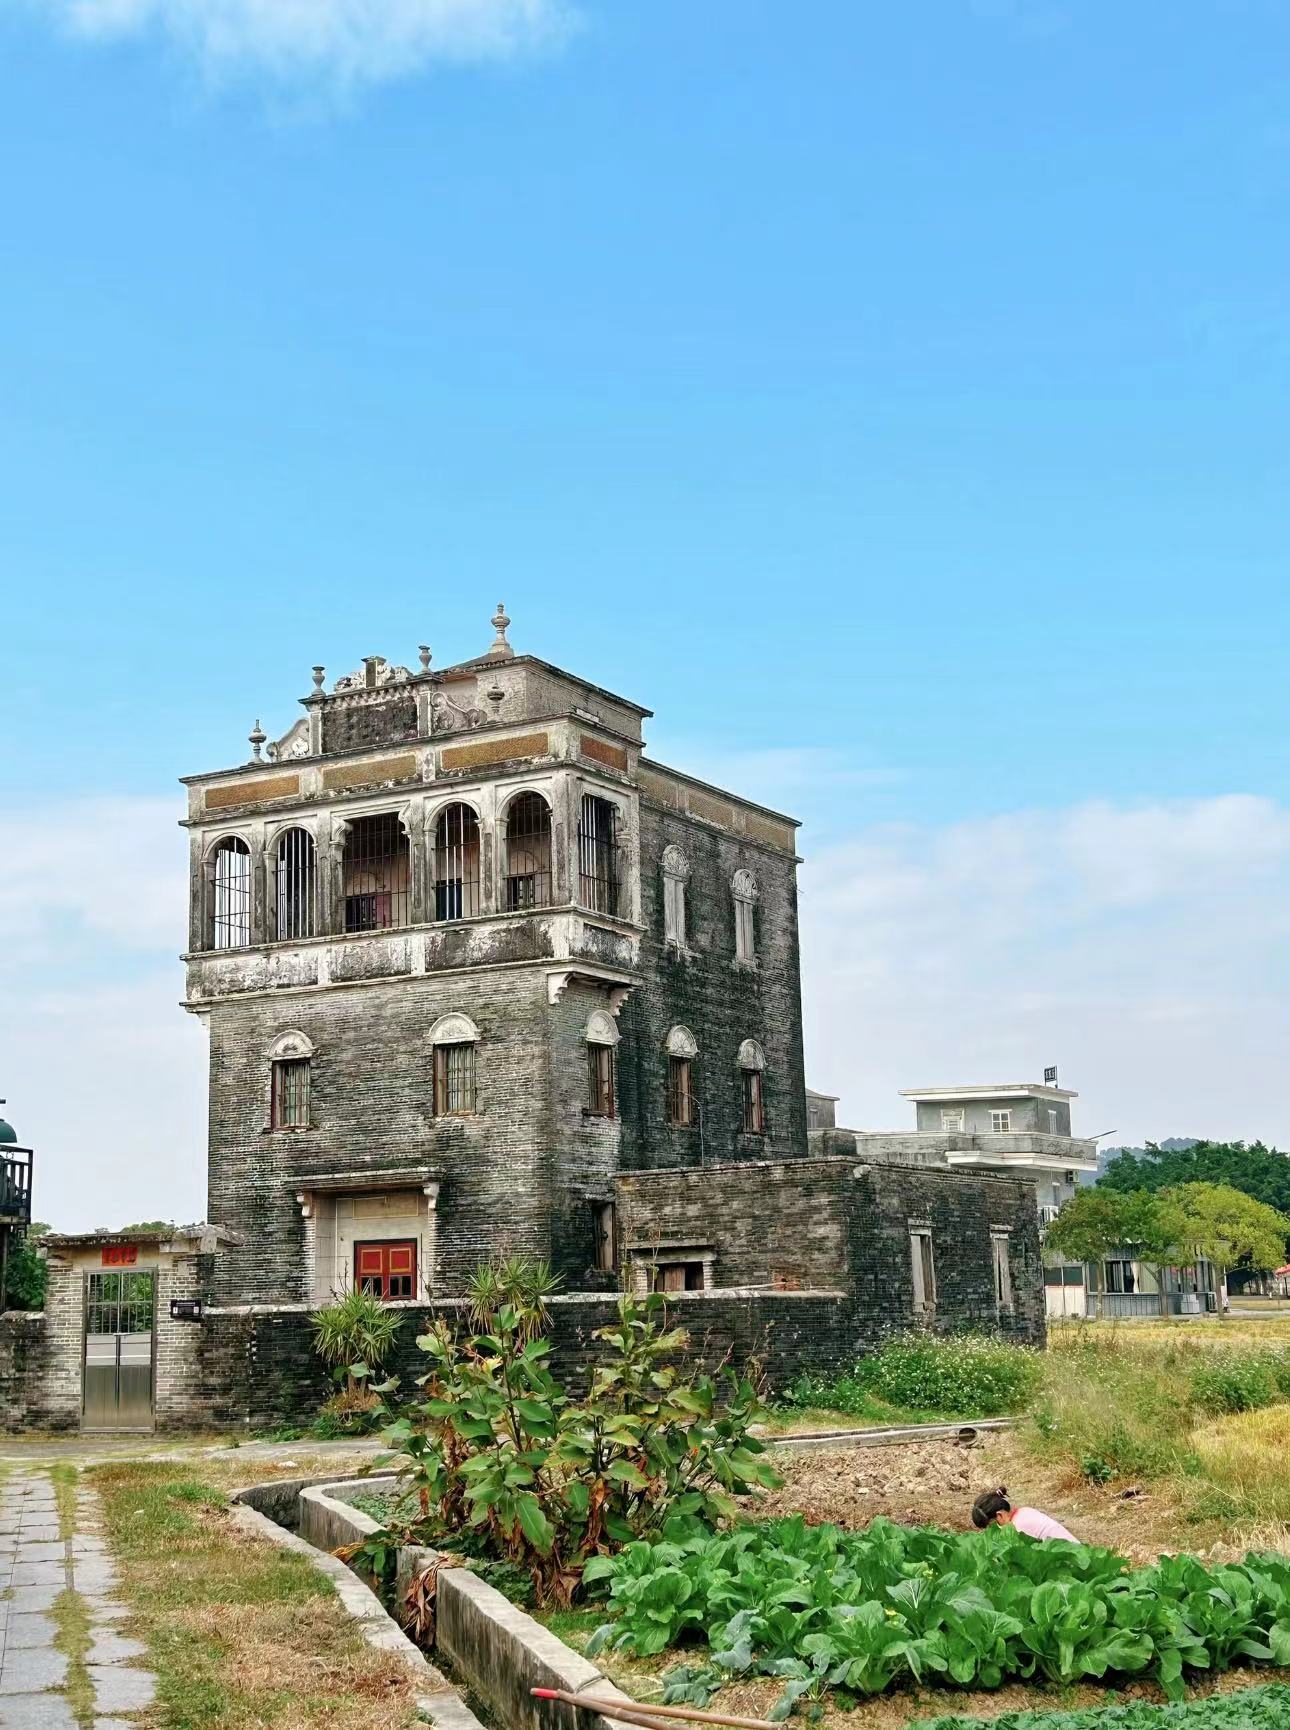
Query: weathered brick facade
(527, 1167)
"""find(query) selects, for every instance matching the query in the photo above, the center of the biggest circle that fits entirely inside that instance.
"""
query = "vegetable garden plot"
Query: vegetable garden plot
(863, 1612)
(1252, 1709)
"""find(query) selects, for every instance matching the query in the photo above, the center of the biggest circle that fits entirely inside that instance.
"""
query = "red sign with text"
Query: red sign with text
(120, 1254)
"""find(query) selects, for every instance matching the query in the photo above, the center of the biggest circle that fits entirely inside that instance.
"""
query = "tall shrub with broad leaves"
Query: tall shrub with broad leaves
(494, 1443)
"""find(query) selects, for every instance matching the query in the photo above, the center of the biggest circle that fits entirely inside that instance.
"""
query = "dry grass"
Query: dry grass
(242, 1635)
(1270, 1329)
(1247, 1457)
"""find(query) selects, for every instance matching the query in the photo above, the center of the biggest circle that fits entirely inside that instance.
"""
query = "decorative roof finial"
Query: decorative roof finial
(500, 649)
(423, 654)
(318, 677)
(257, 736)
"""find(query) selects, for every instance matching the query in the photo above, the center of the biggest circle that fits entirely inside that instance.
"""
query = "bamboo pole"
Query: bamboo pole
(631, 1711)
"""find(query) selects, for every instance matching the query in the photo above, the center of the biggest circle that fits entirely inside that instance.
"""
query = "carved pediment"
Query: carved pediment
(375, 673)
(447, 716)
(293, 743)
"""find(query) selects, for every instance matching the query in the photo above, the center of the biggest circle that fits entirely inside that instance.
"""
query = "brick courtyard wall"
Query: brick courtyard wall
(58, 1401)
(833, 1223)
(259, 1368)
(25, 1389)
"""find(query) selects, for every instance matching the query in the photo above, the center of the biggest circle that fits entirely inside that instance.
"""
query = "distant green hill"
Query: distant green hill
(1174, 1144)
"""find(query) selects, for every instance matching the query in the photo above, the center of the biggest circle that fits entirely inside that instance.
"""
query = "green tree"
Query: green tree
(1225, 1226)
(1257, 1171)
(27, 1272)
(1097, 1221)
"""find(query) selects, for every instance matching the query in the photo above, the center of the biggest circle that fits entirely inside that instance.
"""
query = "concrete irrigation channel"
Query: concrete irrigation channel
(496, 1652)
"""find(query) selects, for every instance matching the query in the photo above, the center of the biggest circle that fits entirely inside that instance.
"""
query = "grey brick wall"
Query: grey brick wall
(720, 1001)
(28, 1398)
(259, 1368)
(831, 1222)
(371, 1101)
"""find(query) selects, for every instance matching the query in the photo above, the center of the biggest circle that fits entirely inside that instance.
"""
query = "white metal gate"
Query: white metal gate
(118, 1351)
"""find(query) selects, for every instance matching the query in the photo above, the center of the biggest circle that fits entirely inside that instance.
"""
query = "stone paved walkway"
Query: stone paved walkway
(39, 1562)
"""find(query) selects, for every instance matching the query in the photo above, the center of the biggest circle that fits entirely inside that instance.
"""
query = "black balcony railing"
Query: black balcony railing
(15, 1187)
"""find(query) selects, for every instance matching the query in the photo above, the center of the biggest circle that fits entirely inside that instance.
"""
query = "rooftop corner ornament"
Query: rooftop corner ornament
(499, 649)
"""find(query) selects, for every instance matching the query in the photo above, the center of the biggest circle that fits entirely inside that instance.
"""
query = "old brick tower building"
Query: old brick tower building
(479, 975)
(465, 954)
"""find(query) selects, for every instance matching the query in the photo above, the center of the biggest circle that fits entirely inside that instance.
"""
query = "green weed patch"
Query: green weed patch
(931, 1376)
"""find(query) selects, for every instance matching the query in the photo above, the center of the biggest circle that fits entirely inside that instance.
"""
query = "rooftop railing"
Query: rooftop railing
(15, 1186)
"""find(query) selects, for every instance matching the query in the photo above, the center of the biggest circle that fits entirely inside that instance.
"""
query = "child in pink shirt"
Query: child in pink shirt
(994, 1509)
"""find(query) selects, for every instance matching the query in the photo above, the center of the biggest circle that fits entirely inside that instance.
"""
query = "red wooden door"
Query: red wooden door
(387, 1270)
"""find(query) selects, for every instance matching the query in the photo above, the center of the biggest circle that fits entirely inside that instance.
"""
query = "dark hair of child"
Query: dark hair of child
(987, 1505)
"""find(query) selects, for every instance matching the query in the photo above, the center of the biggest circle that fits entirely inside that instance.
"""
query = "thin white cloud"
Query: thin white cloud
(114, 867)
(104, 1074)
(1143, 949)
(344, 42)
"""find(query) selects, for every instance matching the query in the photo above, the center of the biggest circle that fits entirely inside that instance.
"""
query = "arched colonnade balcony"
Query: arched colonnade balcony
(426, 861)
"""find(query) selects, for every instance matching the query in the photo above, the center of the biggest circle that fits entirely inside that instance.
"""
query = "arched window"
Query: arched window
(682, 1049)
(743, 886)
(601, 1037)
(456, 863)
(528, 852)
(454, 1038)
(676, 872)
(752, 1063)
(290, 1056)
(598, 882)
(231, 894)
(295, 884)
(376, 874)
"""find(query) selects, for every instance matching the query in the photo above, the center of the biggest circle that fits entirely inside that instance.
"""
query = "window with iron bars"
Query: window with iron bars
(600, 1078)
(598, 880)
(754, 1113)
(528, 853)
(454, 1080)
(231, 895)
(289, 1103)
(681, 1107)
(605, 1231)
(376, 874)
(119, 1303)
(456, 863)
(296, 884)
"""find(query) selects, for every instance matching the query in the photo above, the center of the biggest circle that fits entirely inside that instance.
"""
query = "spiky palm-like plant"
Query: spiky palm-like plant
(354, 1335)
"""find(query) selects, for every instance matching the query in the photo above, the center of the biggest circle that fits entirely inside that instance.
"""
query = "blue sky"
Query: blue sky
(894, 398)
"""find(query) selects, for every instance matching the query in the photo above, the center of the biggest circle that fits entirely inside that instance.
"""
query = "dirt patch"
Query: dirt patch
(934, 1484)
(917, 1483)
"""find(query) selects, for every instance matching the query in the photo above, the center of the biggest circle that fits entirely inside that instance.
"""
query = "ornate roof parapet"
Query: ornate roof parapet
(375, 672)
